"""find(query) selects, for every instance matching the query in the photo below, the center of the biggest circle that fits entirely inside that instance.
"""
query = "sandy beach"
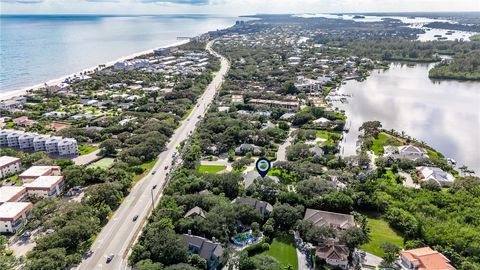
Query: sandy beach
(21, 92)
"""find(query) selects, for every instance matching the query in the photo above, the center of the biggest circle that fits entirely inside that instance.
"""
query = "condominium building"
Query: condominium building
(36, 171)
(13, 215)
(39, 143)
(25, 141)
(12, 138)
(36, 142)
(12, 194)
(67, 147)
(46, 186)
(51, 145)
(9, 166)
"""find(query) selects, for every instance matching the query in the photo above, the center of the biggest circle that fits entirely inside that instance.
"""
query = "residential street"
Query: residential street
(121, 231)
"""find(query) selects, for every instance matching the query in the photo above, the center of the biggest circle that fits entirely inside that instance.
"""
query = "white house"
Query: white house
(13, 215)
(36, 171)
(405, 151)
(438, 175)
(9, 166)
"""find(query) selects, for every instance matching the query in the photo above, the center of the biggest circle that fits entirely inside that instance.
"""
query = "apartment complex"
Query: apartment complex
(9, 166)
(37, 142)
(45, 186)
(13, 215)
(34, 172)
(12, 194)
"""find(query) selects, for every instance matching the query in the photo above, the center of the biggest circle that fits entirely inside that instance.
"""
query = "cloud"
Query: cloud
(181, 2)
(22, 1)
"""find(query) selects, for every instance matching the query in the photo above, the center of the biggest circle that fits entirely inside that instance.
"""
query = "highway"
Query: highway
(121, 231)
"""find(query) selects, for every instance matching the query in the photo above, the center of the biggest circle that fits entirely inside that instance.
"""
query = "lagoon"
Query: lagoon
(444, 114)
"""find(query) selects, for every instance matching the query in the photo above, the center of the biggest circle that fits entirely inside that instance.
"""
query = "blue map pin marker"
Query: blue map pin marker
(263, 166)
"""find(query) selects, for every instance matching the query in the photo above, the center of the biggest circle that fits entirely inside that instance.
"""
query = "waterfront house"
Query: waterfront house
(264, 208)
(211, 251)
(9, 166)
(405, 151)
(438, 175)
(424, 258)
(13, 215)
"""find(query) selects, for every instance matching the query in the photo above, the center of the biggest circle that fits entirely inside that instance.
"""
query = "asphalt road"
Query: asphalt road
(117, 236)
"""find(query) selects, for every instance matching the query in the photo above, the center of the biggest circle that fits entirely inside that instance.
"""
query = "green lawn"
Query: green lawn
(103, 163)
(330, 137)
(187, 113)
(147, 167)
(283, 249)
(381, 232)
(84, 149)
(383, 140)
(211, 168)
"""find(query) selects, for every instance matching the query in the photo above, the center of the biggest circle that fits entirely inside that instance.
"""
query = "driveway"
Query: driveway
(282, 149)
(371, 261)
(86, 159)
(408, 180)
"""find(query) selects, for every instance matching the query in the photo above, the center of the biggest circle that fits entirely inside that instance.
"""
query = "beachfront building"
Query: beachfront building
(443, 178)
(9, 166)
(36, 171)
(131, 64)
(67, 147)
(164, 51)
(46, 186)
(12, 194)
(13, 215)
(424, 258)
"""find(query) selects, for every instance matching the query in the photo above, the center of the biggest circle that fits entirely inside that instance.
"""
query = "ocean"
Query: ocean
(37, 48)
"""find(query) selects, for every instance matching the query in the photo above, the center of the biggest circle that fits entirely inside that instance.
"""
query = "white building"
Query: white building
(13, 215)
(9, 166)
(308, 85)
(438, 175)
(131, 64)
(25, 141)
(36, 171)
(12, 194)
(51, 144)
(3, 137)
(67, 147)
(406, 151)
(39, 143)
(12, 138)
(46, 186)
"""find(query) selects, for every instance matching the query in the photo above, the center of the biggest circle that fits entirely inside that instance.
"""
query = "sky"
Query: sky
(229, 7)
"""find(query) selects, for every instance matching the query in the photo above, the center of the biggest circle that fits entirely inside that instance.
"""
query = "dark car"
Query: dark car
(166, 167)
(110, 258)
(88, 254)
(153, 172)
(135, 218)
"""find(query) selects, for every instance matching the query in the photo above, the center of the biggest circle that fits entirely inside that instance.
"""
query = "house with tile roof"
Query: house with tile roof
(424, 258)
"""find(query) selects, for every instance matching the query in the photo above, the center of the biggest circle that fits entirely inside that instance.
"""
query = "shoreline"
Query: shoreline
(15, 93)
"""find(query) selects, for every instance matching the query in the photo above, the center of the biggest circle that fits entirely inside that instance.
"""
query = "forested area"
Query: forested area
(464, 66)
